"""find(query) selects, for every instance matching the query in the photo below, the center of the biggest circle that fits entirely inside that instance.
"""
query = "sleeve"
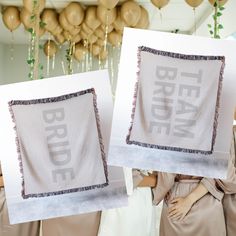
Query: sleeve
(137, 177)
(229, 185)
(210, 185)
(165, 181)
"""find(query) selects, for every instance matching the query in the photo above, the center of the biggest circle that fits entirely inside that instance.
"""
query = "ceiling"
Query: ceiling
(176, 15)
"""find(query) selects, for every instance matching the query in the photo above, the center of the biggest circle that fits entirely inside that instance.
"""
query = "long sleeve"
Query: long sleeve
(210, 185)
(165, 182)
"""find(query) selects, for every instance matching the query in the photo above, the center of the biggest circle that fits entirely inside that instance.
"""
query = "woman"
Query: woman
(191, 206)
(26, 229)
(229, 188)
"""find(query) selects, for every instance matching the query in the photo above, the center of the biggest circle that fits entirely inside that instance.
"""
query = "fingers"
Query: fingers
(175, 200)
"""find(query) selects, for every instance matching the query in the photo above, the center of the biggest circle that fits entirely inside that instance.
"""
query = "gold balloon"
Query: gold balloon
(221, 2)
(67, 35)
(99, 33)
(77, 38)
(130, 13)
(74, 13)
(115, 38)
(109, 4)
(83, 35)
(57, 30)
(79, 52)
(143, 22)
(60, 38)
(92, 39)
(91, 19)
(29, 5)
(119, 24)
(11, 18)
(75, 30)
(194, 3)
(103, 55)
(25, 19)
(160, 3)
(96, 49)
(50, 48)
(64, 22)
(100, 42)
(109, 28)
(49, 17)
(106, 16)
(86, 29)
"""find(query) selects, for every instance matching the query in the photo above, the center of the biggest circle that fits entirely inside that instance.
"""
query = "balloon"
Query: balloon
(91, 19)
(96, 49)
(64, 22)
(49, 17)
(50, 48)
(103, 55)
(109, 28)
(77, 38)
(130, 13)
(194, 3)
(11, 18)
(29, 5)
(100, 42)
(79, 52)
(74, 13)
(83, 34)
(105, 15)
(221, 2)
(99, 33)
(115, 38)
(92, 39)
(60, 38)
(57, 30)
(75, 30)
(67, 35)
(119, 24)
(86, 29)
(143, 22)
(160, 3)
(25, 19)
(109, 4)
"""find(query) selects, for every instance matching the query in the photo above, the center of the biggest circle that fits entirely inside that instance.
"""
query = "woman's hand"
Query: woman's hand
(181, 206)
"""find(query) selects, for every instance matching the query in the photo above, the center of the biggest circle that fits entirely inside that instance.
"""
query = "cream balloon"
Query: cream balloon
(96, 49)
(50, 48)
(79, 52)
(143, 22)
(91, 19)
(60, 38)
(109, 4)
(49, 17)
(11, 18)
(221, 2)
(86, 29)
(114, 38)
(74, 13)
(106, 16)
(29, 5)
(75, 30)
(130, 13)
(64, 22)
(119, 24)
(25, 19)
(160, 3)
(194, 3)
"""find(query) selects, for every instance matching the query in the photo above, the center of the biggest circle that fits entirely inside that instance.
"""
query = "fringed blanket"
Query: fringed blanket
(59, 144)
(176, 101)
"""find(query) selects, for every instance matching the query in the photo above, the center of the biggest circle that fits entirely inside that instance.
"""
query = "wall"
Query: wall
(17, 70)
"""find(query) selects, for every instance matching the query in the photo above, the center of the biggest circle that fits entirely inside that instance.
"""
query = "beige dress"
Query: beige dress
(206, 217)
(229, 188)
(26, 229)
(80, 225)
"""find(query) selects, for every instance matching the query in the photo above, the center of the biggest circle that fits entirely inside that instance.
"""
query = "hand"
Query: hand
(180, 208)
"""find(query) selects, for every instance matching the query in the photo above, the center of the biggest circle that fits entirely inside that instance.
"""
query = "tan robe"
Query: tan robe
(206, 217)
(229, 188)
(80, 225)
(26, 229)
